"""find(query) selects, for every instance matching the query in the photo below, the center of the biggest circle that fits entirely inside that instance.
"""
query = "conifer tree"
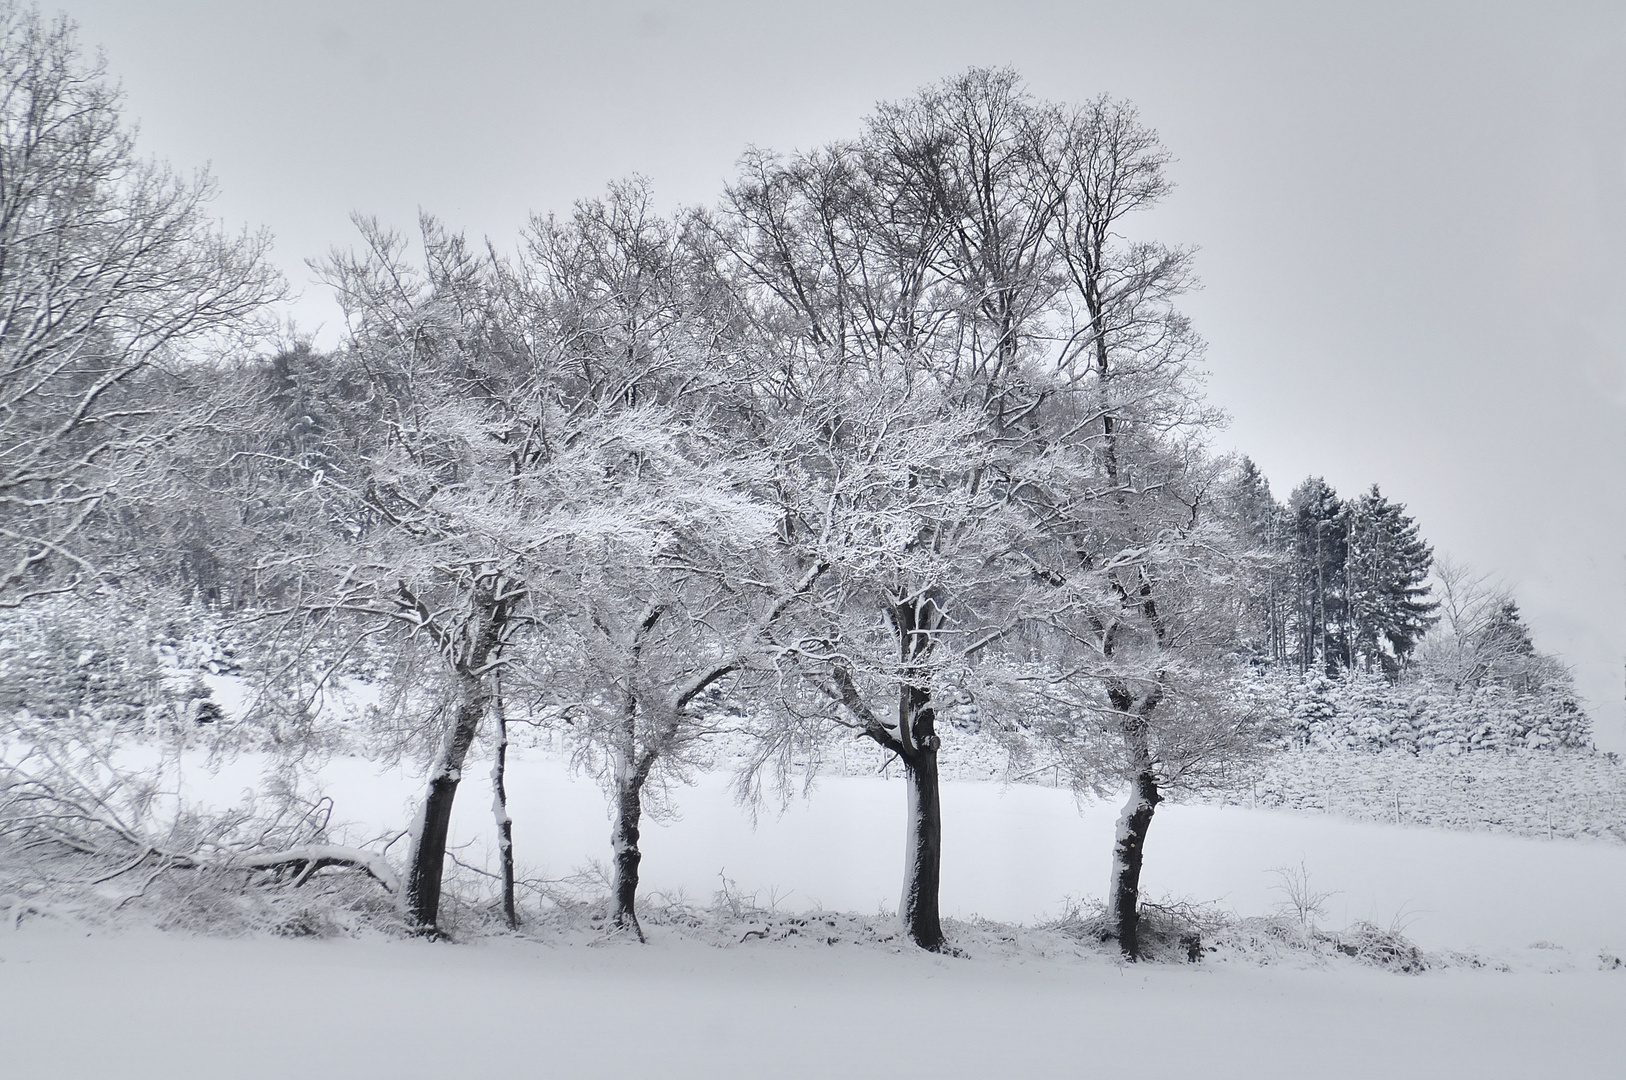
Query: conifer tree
(1507, 630)
(1263, 522)
(1504, 653)
(1386, 583)
(1319, 522)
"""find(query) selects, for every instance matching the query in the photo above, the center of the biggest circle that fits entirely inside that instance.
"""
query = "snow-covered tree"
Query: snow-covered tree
(112, 278)
(1007, 382)
(1481, 640)
(1386, 588)
(1134, 681)
(1320, 539)
(1266, 597)
(531, 468)
(428, 471)
(919, 583)
(1145, 574)
(646, 624)
(896, 283)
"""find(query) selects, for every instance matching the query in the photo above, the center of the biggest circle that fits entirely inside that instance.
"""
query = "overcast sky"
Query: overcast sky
(1412, 216)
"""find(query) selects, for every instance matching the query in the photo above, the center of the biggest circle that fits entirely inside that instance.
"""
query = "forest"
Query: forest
(901, 441)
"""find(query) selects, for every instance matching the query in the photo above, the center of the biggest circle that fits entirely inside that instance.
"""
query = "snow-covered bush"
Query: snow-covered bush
(96, 826)
(1374, 945)
(102, 698)
(1414, 752)
(1363, 712)
(132, 664)
(1527, 792)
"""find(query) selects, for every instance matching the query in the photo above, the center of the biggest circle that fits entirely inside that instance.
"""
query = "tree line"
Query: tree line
(906, 428)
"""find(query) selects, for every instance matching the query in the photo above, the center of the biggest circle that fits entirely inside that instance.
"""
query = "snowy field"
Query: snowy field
(1541, 916)
(1012, 852)
(144, 1005)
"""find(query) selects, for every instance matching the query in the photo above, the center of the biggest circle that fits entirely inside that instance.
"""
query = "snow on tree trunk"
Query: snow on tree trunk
(923, 850)
(1128, 850)
(470, 650)
(428, 860)
(923, 853)
(624, 843)
(499, 809)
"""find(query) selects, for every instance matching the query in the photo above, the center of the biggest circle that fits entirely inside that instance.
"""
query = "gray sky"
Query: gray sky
(1412, 216)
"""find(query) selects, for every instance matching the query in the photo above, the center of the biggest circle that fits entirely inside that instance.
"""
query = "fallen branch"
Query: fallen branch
(306, 859)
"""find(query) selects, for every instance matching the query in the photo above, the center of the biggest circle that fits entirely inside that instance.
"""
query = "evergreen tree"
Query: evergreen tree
(1320, 546)
(1505, 654)
(1507, 632)
(1264, 606)
(1385, 583)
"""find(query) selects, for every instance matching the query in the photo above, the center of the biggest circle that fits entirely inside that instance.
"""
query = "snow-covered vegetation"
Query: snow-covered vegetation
(1370, 714)
(1529, 793)
(891, 469)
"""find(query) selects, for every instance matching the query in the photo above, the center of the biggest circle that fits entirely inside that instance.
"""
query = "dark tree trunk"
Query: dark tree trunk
(923, 851)
(470, 649)
(429, 854)
(624, 843)
(1127, 854)
(429, 847)
(923, 854)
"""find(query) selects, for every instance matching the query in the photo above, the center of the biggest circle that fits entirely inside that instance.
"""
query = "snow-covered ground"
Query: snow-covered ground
(1018, 853)
(146, 1005)
(1543, 915)
(1012, 852)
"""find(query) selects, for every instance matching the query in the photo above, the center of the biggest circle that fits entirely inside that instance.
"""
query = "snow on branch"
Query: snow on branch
(307, 859)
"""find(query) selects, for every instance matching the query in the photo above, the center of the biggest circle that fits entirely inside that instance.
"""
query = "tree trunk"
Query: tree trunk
(499, 808)
(490, 605)
(1127, 853)
(624, 843)
(429, 841)
(923, 854)
(923, 850)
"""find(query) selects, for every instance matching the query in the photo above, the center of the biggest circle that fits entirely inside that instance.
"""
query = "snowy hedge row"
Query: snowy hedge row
(106, 662)
(160, 663)
(1566, 793)
(1366, 712)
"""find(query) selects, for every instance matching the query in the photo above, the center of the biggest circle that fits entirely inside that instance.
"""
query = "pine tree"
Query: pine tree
(1507, 632)
(1386, 583)
(1504, 652)
(1265, 605)
(1320, 539)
